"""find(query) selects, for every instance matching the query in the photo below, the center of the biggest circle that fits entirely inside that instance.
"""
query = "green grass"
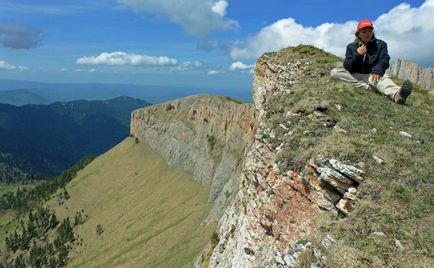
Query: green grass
(8, 220)
(5, 188)
(397, 197)
(227, 98)
(151, 213)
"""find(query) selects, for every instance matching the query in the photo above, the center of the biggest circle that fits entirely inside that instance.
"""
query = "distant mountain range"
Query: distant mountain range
(42, 140)
(26, 92)
(20, 97)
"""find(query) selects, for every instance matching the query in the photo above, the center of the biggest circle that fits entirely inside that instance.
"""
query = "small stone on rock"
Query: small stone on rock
(398, 245)
(328, 241)
(289, 133)
(352, 190)
(352, 172)
(339, 129)
(378, 159)
(349, 196)
(290, 260)
(379, 234)
(343, 206)
(405, 134)
(283, 126)
(279, 260)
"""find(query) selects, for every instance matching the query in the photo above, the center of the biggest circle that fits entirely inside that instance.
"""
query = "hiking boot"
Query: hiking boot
(403, 92)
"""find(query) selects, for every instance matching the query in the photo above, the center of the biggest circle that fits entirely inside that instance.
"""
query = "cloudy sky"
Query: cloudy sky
(208, 44)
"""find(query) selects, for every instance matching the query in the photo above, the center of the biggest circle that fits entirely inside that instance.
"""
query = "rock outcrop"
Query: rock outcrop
(207, 135)
(304, 152)
(275, 209)
(263, 211)
(404, 69)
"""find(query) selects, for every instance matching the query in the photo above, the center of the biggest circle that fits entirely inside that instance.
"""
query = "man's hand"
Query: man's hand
(362, 49)
(375, 78)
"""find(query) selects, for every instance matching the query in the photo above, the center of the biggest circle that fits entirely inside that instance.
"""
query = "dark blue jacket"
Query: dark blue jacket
(376, 59)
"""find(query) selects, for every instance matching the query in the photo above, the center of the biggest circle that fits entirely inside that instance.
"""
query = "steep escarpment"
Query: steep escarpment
(404, 69)
(330, 179)
(314, 173)
(208, 136)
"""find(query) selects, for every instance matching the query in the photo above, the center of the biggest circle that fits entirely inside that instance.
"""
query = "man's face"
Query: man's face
(365, 34)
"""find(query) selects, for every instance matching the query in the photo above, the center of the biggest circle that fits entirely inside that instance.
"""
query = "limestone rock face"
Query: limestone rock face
(274, 210)
(405, 69)
(207, 135)
(261, 227)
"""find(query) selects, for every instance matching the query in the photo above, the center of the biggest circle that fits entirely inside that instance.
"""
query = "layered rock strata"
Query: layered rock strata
(207, 135)
(404, 69)
(264, 211)
(274, 209)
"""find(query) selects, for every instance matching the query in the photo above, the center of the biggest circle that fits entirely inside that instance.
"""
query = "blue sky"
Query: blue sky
(191, 43)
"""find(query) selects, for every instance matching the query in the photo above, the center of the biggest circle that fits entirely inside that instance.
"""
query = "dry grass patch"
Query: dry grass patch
(150, 214)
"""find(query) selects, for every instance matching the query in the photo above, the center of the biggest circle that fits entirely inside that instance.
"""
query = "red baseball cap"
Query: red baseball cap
(365, 23)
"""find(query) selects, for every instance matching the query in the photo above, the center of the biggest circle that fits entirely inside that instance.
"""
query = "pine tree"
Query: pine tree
(66, 194)
(53, 221)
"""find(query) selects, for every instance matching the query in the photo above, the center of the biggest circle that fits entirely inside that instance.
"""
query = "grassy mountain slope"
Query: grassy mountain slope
(391, 224)
(150, 213)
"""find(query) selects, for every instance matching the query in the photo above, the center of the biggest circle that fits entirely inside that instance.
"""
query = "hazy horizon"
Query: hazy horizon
(206, 44)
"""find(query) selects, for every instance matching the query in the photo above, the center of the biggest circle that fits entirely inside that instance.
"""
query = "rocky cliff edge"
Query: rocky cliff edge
(324, 155)
(315, 173)
(405, 69)
(207, 135)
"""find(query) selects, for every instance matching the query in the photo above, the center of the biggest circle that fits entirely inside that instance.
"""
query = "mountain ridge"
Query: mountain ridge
(206, 135)
(313, 173)
(41, 140)
(52, 92)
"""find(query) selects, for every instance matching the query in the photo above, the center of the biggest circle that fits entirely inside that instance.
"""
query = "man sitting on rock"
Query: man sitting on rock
(366, 62)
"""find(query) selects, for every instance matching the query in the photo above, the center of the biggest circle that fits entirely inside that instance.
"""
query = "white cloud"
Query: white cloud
(63, 69)
(409, 32)
(191, 64)
(238, 65)
(123, 58)
(286, 32)
(214, 72)
(120, 59)
(197, 17)
(220, 7)
(6, 66)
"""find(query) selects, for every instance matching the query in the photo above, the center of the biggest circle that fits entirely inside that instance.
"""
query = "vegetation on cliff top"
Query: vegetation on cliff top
(318, 117)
